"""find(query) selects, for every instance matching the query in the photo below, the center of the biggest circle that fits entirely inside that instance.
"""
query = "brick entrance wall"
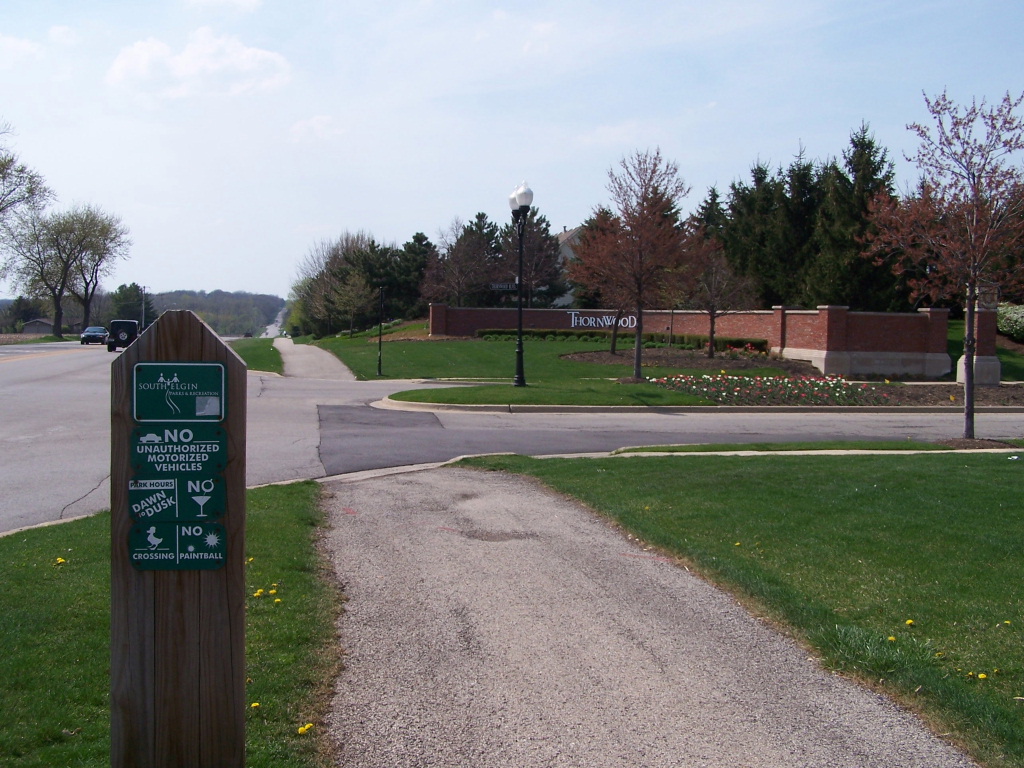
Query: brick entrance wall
(833, 339)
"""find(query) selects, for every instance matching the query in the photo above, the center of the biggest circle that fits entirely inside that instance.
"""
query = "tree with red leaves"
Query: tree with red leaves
(627, 255)
(705, 281)
(962, 233)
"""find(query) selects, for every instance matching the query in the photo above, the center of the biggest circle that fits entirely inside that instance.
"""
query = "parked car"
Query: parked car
(94, 334)
(122, 333)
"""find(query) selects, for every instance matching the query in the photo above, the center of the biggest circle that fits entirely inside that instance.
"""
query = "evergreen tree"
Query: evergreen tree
(542, 273)
(131, 302)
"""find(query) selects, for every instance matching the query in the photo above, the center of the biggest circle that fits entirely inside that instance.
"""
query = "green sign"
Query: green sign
(171, 450)
(177, 498)
(177, 546)
(179, 392)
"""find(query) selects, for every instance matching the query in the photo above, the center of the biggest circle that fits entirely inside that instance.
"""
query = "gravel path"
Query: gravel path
(492, 623)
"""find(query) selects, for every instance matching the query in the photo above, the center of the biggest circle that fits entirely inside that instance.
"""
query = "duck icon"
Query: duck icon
(152, 538)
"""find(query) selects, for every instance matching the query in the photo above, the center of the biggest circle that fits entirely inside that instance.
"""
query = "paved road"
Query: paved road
(55, 430)
(491, 623)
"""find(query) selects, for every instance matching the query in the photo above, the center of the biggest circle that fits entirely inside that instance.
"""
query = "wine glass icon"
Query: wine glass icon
(201, 501)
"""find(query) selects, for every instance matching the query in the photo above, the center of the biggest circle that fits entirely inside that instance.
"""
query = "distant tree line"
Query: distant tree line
(791, 235)
(352, 281)
(228, 313)
(232, 313)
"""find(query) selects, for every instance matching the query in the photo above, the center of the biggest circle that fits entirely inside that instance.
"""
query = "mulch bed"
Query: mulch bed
(949, 395)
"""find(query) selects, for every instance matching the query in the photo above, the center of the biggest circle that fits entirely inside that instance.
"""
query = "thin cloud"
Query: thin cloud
(14, 51)
(314, 129)
(240, 5)
(208, 64)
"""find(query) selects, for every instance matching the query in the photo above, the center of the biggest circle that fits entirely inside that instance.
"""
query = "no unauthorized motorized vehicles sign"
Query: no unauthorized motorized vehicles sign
(170, 450)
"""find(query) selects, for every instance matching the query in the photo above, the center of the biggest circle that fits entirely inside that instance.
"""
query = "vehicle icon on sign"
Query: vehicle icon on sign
(150, 438)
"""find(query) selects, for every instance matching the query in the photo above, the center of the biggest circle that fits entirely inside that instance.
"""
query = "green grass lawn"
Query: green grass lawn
(1012, 362)
(551, 379)
(259, 354)
(902, 570)
(54, 672)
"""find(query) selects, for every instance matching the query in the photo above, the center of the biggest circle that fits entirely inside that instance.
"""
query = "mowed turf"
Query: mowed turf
(902, 570)
(55, 632)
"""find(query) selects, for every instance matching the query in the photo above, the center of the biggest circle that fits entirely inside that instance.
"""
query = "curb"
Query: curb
(399, 405)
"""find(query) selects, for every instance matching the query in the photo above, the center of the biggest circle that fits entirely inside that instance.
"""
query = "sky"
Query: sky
(231, 136)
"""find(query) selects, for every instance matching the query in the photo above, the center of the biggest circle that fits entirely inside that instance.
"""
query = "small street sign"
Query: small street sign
(178, 392)
(177, 547)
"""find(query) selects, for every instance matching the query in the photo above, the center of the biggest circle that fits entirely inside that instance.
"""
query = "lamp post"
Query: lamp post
(519, 201)
(380, 333)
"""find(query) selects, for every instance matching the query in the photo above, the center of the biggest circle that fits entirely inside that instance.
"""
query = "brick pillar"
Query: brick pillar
(778, 338)
(835, 327)
(438, 320)
(985, 332)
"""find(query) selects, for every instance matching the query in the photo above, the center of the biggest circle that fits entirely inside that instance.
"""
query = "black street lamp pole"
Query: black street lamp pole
(519, 201)
(380, 332)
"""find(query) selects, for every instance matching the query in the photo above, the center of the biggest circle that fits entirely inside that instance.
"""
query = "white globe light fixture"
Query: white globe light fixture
(520, 201)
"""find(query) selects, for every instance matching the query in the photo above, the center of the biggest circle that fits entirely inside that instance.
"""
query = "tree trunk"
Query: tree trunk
(638, 347)
(86, 303)
(615, 333)
(970, 343)
(712, 316)
(58, 316)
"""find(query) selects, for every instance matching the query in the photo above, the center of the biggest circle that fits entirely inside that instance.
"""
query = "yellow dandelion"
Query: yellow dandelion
(272, 592)
(254, 705)
(277, 600)
(250, 559)
(983, 676)
(258, 593)
(61, 561)
(952, 398)
(737, 544)
(909, 622)
(302, 729)
(1006, 623)
(892, 639)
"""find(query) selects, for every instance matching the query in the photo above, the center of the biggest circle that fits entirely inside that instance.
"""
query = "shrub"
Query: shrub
(1010, 321)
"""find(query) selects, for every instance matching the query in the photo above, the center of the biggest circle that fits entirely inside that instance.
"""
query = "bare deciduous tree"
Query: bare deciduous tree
(705, 281)
(635, 254)
(964, 229)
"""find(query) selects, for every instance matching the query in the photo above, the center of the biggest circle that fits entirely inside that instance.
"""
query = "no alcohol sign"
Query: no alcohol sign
(176, 499)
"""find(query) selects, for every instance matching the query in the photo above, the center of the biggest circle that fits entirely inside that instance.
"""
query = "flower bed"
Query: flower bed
(760, 390)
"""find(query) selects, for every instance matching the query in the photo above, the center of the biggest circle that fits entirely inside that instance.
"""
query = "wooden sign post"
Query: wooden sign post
(177, 587)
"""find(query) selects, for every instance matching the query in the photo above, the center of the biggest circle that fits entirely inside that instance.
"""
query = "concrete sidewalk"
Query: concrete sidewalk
(308, 362)
(490, 623)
